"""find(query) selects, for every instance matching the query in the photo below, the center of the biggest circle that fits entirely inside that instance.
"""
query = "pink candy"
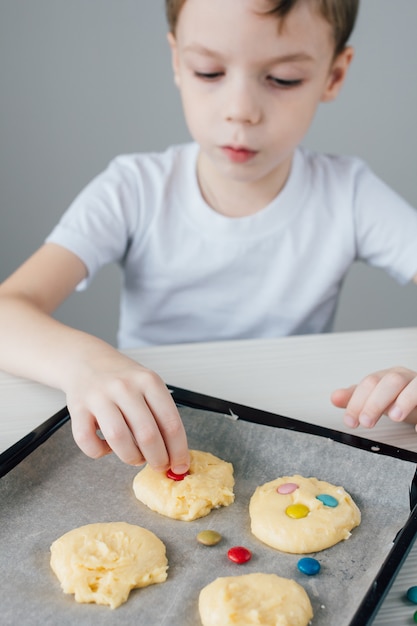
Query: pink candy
(287, 488)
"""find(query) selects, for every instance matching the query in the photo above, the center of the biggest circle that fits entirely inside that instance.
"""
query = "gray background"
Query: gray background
(84, 80)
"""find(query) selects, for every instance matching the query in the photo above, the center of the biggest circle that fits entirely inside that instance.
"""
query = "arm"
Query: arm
(127, 402)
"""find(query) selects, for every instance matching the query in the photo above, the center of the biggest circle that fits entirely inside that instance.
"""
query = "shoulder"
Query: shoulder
(128, 191)
(343, 169)
(344, 179)
(342, 173)
(133, 185)
(149, 166)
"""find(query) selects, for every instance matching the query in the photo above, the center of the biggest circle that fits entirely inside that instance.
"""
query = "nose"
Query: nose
(241, 102)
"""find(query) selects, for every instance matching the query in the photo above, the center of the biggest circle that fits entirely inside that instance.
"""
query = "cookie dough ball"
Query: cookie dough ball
(102, 562)
(301, 515)
(209, 485)
(258, 599)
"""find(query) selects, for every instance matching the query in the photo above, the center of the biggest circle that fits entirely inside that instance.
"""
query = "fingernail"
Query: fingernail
(366, 421)
(180, 469)
(395, 413)
(350, 421)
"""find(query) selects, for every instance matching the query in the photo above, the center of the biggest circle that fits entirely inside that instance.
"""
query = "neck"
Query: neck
(236, 198)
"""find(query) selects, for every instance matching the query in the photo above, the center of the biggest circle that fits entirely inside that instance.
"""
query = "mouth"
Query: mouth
(238, 154)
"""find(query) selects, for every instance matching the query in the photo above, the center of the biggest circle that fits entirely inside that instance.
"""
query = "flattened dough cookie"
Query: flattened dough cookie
(102, 562)
(209, 485)
(301, 515)
(258, 599)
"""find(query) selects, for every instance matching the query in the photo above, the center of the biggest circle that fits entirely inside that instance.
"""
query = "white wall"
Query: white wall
(84, 80)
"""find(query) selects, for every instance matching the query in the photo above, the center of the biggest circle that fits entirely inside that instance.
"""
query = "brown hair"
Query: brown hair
(341, 15)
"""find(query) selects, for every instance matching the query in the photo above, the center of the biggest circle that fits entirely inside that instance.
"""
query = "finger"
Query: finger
(354, 408)
(84, 431)
(404, 407)
(171, 428)
(341, 397)
(145, 431)
(411, 417)
(379, 401)
(118, 435)
(160, 433)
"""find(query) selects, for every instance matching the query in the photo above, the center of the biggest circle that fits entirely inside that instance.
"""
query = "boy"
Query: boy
(240, 234)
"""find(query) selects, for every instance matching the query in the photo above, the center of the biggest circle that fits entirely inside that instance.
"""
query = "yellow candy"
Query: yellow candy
(297, 511)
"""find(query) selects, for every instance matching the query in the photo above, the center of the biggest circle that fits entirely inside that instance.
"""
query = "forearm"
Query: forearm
(36, 346)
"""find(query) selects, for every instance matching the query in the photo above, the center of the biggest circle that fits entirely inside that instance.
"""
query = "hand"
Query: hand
(133, 409)
(392, 392)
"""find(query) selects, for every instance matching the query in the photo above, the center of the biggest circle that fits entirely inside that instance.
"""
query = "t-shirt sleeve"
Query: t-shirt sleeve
(99, 224)
(385, 227)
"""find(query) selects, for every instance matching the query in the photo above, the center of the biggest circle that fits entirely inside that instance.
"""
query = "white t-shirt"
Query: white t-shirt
(191, 274)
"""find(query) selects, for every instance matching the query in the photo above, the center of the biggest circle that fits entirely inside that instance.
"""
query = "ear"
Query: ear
(174, 57)
(337, 74)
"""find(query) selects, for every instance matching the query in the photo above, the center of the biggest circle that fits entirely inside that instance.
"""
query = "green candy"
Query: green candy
(209, 537)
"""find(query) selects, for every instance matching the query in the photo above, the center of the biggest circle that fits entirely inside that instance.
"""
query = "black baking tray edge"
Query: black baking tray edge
(403, 542)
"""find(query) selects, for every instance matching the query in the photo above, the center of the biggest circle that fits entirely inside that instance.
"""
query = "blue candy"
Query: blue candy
(327, 500)
(309, 566)
(412, 595)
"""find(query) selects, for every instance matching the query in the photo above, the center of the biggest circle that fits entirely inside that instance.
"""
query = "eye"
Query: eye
(284, 84)
(209, 76)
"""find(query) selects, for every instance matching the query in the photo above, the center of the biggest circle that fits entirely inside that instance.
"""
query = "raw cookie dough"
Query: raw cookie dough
(323, 525)
(209, 485)
(102, 562)
(258, 599)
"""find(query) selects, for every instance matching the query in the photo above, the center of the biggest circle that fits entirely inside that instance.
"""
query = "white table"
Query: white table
(293, 376)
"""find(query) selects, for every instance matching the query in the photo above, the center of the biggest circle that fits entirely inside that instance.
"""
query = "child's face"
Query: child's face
(249, 87)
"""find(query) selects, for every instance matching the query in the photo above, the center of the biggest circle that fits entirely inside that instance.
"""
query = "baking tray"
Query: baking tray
(45, 470)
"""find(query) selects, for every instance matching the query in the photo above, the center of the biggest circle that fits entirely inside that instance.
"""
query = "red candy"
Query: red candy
(239, 554)
(173, 476)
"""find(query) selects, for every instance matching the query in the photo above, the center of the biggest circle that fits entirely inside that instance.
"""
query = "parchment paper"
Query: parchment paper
(58, 488)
